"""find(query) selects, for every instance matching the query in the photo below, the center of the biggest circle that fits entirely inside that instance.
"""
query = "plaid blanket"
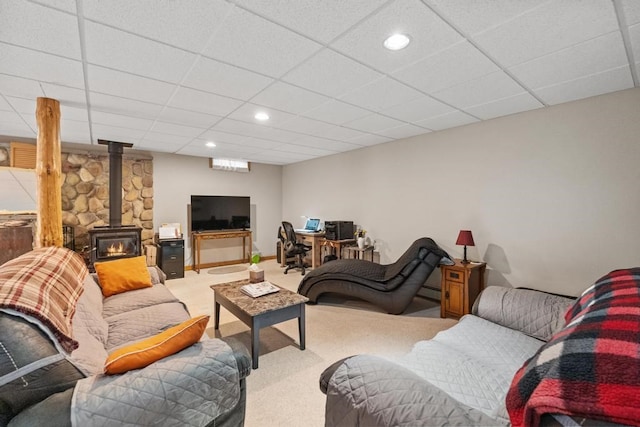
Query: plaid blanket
(591, 367)
(46, 284)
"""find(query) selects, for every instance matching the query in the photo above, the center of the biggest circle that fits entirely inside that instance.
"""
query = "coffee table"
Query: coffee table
(259, 312)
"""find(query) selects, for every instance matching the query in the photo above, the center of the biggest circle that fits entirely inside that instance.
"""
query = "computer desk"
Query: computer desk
(315, 240)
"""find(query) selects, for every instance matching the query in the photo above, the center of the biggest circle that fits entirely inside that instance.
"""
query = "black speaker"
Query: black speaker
(338, 230)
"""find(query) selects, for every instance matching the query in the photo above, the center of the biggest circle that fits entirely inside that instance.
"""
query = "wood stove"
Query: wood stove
(115, 240)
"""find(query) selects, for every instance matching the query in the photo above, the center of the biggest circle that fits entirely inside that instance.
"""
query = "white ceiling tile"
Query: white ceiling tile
(116, 133)
(247, 113)
(4, 105)
(226, 80)
(254, 130)
(164, 138)
(320, 20)
(473, 17)
(41, 28)
(253, 42)
(68, 112)
(505, 106)
(141, 56)
(634, 36)
(21, 62)
(203, 102)
(417, 109)
(222, 147)
(336, 112)
(427, 31)
(303, 149)
(286, 97)
(403, 131)
(631, 10)
(224, 137)
(314, 127)
(331, 74)
(325, 144)
(73, 131)
(261, 143)
(65, 5)
(155, 144)
(381, 94)
(597, 84)
(174, 129)
(447, 68)
(548, 28)
(66, 95)
(127, 85)
(593, 56)
(119, 105)
(485, 89)
(188, 118)
(188, 24)
(119, 120)
(373, 123)
(10, 120)
(22, 88)
(445, 121)
(369, 139)
(22, 105)
(17, 128)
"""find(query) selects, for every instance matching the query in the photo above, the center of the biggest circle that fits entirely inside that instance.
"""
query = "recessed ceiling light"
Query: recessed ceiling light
(396, 42)
(261, 116)
(210, 144)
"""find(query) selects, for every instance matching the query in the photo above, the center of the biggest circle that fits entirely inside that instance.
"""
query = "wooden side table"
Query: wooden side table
(355, 252)
(461, 285)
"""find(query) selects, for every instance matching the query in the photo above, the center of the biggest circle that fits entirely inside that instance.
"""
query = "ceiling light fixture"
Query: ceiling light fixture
(396, 42)
(261, 116)
(210, 144)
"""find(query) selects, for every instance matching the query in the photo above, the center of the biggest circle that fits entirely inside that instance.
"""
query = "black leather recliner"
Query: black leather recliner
(391, 287)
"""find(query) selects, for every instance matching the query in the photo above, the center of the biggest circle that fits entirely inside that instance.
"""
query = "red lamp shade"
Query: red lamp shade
(465, 238)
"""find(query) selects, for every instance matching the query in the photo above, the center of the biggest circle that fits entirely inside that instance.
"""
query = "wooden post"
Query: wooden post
(49, 174)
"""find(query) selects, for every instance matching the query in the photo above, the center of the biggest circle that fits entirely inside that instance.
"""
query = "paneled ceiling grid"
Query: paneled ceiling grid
(172, 75)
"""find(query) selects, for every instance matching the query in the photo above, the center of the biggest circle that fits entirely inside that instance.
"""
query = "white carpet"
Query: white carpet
(284, 390)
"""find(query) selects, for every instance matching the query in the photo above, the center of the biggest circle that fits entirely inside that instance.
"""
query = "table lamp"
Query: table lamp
(465, 238)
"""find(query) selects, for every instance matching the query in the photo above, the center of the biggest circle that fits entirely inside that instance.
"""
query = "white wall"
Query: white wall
(176, 178)
(551, 195)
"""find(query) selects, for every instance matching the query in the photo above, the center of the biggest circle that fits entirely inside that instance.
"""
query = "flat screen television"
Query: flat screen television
(210, 213)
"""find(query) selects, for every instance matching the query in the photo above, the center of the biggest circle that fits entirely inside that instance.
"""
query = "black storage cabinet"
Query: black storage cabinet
(171, 257)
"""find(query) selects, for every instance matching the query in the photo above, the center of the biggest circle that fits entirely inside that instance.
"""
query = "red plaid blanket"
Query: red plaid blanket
(590, 368)
(46, 284)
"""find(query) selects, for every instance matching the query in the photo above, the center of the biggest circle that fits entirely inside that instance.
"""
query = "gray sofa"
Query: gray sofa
(42, 383)
(460, 377)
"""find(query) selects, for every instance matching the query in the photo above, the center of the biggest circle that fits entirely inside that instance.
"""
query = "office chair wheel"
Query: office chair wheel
(286, 271)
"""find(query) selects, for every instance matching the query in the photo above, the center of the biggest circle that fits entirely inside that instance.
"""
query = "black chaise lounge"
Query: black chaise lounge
(391, 287)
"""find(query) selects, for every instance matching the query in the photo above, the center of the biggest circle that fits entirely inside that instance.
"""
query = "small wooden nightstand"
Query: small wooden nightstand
(461, 285)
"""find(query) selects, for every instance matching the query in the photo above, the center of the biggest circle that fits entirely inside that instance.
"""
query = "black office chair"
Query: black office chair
(292, 248)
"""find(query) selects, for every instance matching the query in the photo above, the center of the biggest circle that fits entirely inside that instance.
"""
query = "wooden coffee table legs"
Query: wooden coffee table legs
(263, 320)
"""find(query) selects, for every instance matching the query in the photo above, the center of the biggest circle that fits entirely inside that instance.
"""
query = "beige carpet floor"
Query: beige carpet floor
(284, 390)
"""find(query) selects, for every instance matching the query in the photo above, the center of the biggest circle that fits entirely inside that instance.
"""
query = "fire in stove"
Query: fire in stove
(116, 250)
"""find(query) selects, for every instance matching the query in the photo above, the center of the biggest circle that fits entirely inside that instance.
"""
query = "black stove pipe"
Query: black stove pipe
(115, 150)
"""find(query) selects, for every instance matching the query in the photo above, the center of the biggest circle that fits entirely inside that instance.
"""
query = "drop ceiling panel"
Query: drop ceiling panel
(41, 28)
(452, 66)
(325, 144)
(10, 121)
(68, 112)
(303, 149)
(331, 73)
(403, 131)
(381, 94)
(17, 86)
(178, 130)
(185, 24)
(261, 143)
(417, 109)
(373, 123)
(591, 57)
(253, 130)
(428, 32)
(369, 139)
(203, 102)
(485, 89)
(505, 106)
(4, 105)
(66, 95)
(127, 85)
(247, 112)
(320, 20)
(224, 137)
(119, 105)
(73, 131)
(166, 139)
(254, 43)
(21, 62)
(22, 105)
(308, 126)
(116, 49)
(476, 16)
(286, 97)
(115, 133)
(555, 25)
(336, 112)
(189, 118)
(445, 121)
(634, 35)
(631, 10)
(226, 80)
(597, 84)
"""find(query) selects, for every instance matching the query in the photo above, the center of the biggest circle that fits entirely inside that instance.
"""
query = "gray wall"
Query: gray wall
(176, 178)
(551, 195)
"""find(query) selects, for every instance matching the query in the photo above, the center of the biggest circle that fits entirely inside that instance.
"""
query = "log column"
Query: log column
(49, 174)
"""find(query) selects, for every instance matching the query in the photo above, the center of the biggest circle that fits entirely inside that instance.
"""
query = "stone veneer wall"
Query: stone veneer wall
(85, 194)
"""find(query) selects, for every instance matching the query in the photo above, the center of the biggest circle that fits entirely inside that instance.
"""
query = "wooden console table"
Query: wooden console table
(197, 237)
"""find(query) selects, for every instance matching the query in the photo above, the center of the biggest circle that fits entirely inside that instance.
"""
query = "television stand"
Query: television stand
(198, 236)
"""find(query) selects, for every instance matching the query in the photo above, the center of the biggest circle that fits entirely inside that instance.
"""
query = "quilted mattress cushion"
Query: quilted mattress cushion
(474, 362)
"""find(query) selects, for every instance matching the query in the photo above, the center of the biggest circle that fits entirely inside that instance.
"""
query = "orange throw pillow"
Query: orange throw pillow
(152, 349)
(123, 275)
